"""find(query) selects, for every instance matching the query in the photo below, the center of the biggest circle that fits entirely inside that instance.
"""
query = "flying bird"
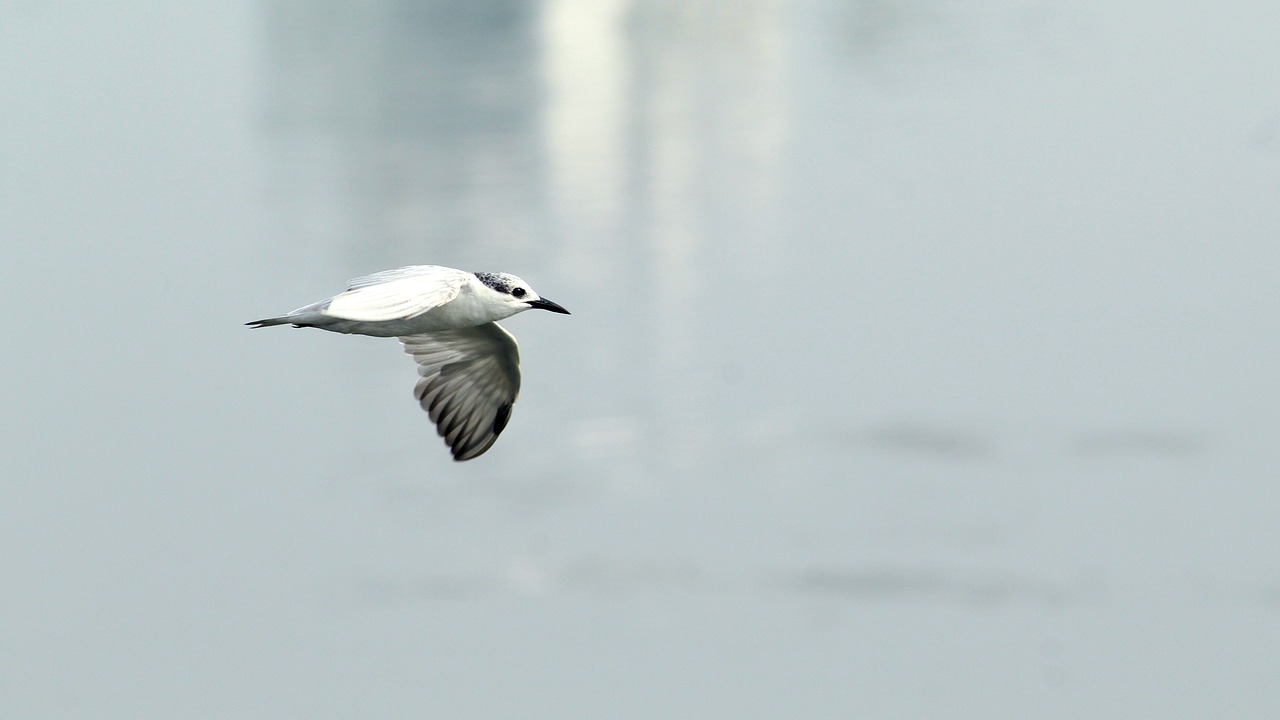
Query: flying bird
(469, 367)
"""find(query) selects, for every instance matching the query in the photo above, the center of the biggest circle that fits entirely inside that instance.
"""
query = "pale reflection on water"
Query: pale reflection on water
(918, 364)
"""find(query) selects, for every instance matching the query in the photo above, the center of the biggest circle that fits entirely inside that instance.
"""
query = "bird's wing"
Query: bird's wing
(397, 294)
(436, 271)
(470, 380)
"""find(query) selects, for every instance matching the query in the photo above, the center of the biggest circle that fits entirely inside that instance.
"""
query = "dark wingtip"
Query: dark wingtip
(470, 448)
(503, 417)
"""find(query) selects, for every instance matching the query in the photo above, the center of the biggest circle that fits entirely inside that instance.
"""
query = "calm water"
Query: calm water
(923, 360)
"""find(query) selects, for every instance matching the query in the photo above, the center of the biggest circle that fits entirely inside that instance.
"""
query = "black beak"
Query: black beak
(544, 304)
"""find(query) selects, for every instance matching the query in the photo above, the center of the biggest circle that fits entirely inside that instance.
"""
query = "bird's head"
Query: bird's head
(515, 293)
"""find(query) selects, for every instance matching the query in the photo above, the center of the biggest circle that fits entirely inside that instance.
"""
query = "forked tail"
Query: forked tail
(268, 322)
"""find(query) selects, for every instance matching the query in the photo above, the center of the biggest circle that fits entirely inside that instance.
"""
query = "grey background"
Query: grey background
(923, 360)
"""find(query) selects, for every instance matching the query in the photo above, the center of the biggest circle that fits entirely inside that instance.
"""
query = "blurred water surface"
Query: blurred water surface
(922, 361)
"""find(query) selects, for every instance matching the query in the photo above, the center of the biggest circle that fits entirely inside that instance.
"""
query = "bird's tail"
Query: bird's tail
(268, 322)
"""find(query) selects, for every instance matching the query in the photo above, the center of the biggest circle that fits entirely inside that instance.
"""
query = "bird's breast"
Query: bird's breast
(465, 310)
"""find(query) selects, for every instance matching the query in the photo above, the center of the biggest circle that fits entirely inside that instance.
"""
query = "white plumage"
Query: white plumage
(446, 318)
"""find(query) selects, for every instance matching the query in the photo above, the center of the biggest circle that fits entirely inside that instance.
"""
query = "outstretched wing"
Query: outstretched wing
(470, 380)
(397, 294)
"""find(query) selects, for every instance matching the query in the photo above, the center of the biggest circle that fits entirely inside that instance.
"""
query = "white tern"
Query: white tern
(469, 365)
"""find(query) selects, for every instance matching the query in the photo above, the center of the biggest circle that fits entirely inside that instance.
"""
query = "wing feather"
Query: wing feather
(438, 272)
(397, 294)
(470, 378)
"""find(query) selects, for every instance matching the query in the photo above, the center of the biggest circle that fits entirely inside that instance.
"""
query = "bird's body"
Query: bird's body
(446, 318)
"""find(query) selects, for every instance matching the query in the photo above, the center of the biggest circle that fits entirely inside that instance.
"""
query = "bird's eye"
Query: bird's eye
(517, 292)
